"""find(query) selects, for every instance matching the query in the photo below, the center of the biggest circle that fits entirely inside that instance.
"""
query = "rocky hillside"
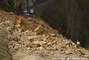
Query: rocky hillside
(28, 36)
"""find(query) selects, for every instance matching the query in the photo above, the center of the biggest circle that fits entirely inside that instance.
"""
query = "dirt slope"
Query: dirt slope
(33, 36)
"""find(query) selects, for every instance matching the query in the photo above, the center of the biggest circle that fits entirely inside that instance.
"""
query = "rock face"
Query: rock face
(27, 3)
(20, 3)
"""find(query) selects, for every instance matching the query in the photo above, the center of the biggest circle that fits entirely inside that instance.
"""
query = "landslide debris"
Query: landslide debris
(32, 36)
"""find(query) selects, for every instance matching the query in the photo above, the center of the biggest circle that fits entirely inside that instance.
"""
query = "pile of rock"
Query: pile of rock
(35, 36)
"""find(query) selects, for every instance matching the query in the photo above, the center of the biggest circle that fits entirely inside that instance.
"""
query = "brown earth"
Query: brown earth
(32, 36)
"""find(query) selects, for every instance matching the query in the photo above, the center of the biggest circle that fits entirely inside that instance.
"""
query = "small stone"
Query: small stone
(18, 25)
(87, 56)
(38, 30)
(55, 49)
(53, 35)
(49, 43)
(40, 48)
(27, 33)
(38, 45)
(68, 52)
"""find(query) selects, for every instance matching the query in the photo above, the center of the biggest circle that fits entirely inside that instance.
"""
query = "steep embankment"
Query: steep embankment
(33, 36)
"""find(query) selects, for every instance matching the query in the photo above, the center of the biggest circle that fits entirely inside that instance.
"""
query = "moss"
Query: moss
(4, 51)
(3, 32)
(39, 13)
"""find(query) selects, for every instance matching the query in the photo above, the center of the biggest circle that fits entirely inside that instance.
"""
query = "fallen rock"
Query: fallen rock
(27, 33)
(68, 52)
(34, 36)
(38, 30)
